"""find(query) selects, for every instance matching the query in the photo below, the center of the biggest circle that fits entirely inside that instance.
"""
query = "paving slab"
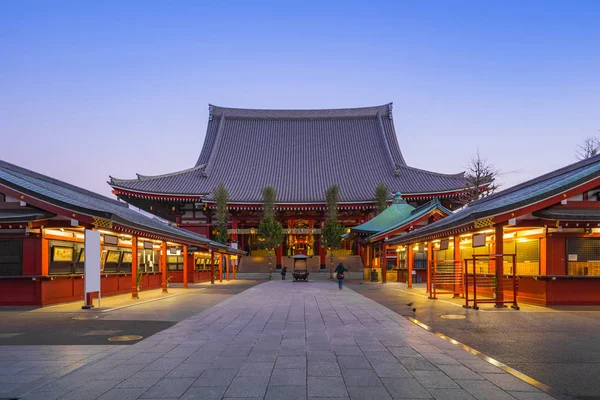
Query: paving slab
(281, 340)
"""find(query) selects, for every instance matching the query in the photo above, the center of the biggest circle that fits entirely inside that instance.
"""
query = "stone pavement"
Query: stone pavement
(284, 340)
(25, 367)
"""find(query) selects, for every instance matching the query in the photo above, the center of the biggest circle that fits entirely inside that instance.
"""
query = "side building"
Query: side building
(539, 240)
(301, 153)
(43, 223)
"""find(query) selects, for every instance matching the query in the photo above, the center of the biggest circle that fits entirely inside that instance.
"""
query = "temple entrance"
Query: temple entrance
(300, 239)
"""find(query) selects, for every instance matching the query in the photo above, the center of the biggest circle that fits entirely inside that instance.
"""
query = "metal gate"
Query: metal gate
(482, 284)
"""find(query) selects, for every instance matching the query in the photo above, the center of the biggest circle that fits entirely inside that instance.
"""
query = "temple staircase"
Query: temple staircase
(260, 264)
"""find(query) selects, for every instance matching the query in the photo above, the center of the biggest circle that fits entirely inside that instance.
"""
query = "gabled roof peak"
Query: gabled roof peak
(334, 113)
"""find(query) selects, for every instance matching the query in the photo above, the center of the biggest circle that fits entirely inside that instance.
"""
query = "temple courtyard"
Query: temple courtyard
(274, 340)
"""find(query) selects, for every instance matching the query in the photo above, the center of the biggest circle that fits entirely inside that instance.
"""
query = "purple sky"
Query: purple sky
(91, 89)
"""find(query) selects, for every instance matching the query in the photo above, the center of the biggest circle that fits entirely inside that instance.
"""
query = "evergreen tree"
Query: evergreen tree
(381, 197)
(332, 231)
(270, 230)
(221, 197)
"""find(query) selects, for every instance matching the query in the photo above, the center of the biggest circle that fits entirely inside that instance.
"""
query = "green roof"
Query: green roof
(413, 216)
(399, 210)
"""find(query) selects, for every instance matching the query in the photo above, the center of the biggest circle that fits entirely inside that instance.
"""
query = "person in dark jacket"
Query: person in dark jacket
(340, 274)
(283, 272)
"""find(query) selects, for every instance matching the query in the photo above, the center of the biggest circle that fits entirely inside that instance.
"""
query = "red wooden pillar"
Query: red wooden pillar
(430, 262)
(322, 253)
(212, 267)
(163, 265)
(134, 267)
(234, 226)
(185, 266)
(499, 261)
(278, 256)
(238, 259)
(456, 261)
(45, 254)
(410, 259)
(384, 263)
(226, 258)
(220, 268)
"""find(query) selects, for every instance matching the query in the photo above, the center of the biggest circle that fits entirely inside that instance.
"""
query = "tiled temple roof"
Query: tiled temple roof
(73, 198)
(514, 198)
(301, 153)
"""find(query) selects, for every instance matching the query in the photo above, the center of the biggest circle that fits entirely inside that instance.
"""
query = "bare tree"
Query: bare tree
(589, 148)
(480, 179)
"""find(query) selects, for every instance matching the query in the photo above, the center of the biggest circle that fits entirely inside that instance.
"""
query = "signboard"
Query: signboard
(109, 239)
(444, 244)
(572, 257)
(148, 245)
(174, 251)
(92, 261)
(479, 240)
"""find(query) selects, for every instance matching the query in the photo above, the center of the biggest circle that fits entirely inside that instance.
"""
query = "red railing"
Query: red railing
(488, 282)
(446, 278)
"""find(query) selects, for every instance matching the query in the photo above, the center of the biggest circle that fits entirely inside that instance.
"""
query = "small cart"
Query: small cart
(300, 274)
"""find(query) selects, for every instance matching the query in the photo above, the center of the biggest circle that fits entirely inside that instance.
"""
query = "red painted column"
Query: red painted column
(410, 259)
(322, 253)
(234, 226)
(233, 266)
(163, 265)
(185, 266)
(134, 267)
(499, 261)
(45, 254)
(220, 268)
(456, 261)
(226, 258)
(212, 267)
(384, 263)
(278, 256)
(430, 262)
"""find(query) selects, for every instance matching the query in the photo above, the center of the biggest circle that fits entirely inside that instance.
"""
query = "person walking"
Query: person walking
(283, 272)
(340, 274)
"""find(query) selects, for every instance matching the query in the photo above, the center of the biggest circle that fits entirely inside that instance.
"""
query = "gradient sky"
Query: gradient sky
(96, 88)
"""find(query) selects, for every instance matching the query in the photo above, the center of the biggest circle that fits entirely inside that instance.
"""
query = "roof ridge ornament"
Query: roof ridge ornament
(390, 107)
(398, 198)
(397, 170)
(210, 112)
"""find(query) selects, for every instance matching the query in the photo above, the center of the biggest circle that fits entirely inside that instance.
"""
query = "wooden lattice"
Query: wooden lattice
(102, 223)
(484, 223)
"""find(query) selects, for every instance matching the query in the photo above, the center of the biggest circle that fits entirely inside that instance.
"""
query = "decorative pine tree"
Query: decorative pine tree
(221, 197)
(270, 230)
(332, 231)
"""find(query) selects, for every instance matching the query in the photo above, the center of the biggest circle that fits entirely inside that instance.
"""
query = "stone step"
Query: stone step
(260, 264)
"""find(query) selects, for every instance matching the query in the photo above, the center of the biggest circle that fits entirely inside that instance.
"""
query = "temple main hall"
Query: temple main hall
(301, 153)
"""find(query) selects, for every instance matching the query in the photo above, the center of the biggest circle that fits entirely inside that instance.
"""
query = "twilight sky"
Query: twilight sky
(96, 88)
